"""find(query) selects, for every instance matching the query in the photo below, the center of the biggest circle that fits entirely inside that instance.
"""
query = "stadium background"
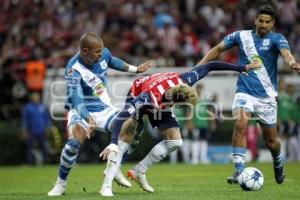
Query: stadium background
(47, 32)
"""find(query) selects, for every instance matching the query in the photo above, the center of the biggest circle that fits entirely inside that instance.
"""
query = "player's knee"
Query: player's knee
(173, 144)
(240, 127)
(77, 132)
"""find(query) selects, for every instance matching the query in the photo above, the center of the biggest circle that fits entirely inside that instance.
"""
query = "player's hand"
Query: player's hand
(295, 66)
(91, 127)
(253, 65)
(145, 66)
(108, 150)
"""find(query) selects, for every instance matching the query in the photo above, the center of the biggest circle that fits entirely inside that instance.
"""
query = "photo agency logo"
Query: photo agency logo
(59, 101)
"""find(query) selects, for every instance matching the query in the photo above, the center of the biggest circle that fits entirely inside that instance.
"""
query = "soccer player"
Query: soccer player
(154, 96)
(88, 101)
(35, 123)
(257, 92)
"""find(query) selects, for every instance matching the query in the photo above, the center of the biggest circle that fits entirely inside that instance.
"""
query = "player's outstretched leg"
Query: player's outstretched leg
(67, 161)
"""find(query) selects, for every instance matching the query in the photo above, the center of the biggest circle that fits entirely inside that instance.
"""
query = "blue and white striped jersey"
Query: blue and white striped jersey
(261, 82)
(84, 88)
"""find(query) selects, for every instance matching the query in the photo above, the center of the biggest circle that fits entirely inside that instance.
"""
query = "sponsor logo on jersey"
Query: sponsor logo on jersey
(264, 48)
(256, 59)
(70, 72)
(92, 81)
(99, 89)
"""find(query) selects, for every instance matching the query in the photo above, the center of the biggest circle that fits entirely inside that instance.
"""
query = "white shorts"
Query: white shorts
(264, 108)
(103, 119)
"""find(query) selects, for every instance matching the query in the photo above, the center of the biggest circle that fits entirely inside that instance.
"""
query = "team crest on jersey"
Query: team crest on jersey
(266, 42)
(103, 64)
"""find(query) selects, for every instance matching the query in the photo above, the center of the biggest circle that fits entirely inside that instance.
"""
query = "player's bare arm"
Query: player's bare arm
(289, 59)
(213, 53)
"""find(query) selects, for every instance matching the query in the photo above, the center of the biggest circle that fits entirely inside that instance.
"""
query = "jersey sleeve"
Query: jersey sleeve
(231, 40)
(75, 93)
(281, 42)
(141, 101)
(114, 62)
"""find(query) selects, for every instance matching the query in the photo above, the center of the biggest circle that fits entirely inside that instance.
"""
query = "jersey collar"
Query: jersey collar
(81, 62)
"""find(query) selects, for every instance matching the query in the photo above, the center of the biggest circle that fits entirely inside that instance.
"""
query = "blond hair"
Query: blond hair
(184, 93)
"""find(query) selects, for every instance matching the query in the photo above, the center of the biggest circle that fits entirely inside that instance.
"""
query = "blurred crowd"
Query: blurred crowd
(173, 32)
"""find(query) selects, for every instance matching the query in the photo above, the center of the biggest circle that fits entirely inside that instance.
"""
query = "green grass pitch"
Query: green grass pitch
(169, 181)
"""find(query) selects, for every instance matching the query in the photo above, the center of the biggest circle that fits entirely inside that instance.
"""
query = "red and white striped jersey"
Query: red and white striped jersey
(155, 85)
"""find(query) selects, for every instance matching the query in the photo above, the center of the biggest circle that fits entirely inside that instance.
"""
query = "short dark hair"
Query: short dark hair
(266, 9)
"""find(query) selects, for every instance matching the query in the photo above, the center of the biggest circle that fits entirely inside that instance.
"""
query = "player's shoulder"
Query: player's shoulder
(244, 32)
(276, 35)
(235, 35)
(279, 39)
(69, 71)
(106, 53)
(71, 62)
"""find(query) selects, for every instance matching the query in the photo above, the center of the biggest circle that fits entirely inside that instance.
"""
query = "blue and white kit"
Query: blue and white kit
(87, 93)
(257, 92)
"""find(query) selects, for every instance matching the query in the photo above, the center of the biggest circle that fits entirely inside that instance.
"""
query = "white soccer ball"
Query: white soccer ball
(251, 179)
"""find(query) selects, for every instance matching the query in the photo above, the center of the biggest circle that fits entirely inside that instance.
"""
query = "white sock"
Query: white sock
(123, 147)
(113, 163)
(158, 152)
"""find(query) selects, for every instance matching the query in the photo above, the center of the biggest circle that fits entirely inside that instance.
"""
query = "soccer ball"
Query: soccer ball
(251, 179)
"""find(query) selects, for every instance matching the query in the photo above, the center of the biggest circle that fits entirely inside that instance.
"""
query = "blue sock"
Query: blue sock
(239, 158)
(68, 158)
